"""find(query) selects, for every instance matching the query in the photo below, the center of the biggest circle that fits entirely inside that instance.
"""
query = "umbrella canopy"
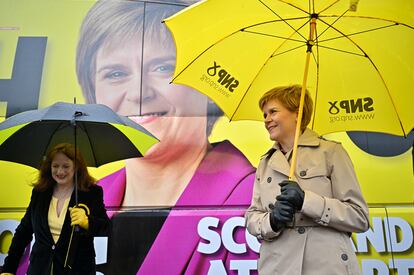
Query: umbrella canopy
(357, 55)
(101, 135)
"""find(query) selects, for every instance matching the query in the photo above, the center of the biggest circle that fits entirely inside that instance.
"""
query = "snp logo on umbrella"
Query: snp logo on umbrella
(220, 79)
(351, 109)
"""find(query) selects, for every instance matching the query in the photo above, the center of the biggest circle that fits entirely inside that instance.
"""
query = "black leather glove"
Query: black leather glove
(281, 214)
(291, 192)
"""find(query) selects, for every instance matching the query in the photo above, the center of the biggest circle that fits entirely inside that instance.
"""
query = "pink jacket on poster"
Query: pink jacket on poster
(224, 178)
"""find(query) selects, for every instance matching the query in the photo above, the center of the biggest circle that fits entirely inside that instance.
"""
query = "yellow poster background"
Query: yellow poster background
(386, 182)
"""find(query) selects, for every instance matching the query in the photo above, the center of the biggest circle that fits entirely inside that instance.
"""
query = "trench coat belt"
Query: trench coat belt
(301, 220)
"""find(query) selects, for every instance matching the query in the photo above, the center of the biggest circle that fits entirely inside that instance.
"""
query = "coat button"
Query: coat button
(271, 206)
(301, 230)
(344, 257)
(53, 247)
(302, 173)
(269, 179)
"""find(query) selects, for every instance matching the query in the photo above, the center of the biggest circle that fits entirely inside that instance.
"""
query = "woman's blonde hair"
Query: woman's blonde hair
(289, 97)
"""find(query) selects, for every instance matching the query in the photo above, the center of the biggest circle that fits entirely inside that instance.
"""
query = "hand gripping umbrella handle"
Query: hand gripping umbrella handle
(88, 212)
(73, 241)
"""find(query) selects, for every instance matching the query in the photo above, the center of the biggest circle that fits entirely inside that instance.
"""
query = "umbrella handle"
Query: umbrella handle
(302, 98)
(88, 212)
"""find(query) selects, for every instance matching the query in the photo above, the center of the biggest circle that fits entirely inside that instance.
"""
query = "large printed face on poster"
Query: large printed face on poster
(118, 53)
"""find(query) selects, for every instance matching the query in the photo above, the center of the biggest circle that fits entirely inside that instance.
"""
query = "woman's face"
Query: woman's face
(175, 114)
(62, 169)
(279, 121)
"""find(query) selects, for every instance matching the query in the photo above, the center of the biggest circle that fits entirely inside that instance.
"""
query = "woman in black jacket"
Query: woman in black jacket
(52, 215)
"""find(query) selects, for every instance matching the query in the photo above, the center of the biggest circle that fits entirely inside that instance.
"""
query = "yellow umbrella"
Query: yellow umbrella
(357, 58)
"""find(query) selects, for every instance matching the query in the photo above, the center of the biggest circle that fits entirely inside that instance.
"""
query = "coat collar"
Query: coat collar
(307, 138)
(281, 163)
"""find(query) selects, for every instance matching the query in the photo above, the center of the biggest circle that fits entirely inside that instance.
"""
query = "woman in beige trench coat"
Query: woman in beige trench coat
(306, 230)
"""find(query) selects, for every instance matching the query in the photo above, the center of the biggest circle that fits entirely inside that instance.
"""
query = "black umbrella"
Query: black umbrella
(98, 132)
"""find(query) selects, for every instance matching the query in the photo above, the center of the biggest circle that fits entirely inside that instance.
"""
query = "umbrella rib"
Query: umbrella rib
(276, 36)
(245, 29)
(274, 53)
(277, 20)
(343, 51)
(329, 6)
(361, 32)
(315, 58)
(285, 38)
(285, 21)
(292, 49)
(317, 76)
(200, 54)
(368, 17)
(345, 36)
(290, 4)
(331, 25)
